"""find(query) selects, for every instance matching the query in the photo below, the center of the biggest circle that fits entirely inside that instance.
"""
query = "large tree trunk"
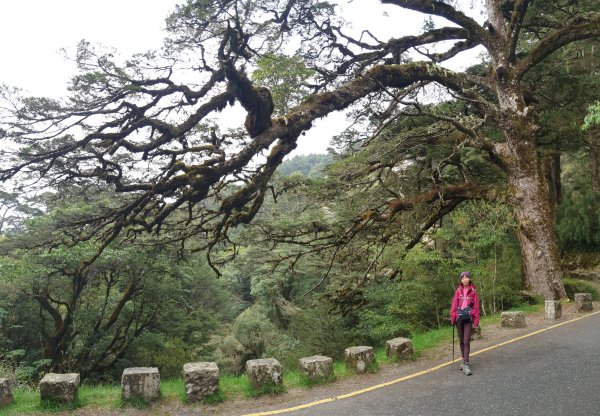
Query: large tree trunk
(529, 195)
(552, 170)
(536, 232)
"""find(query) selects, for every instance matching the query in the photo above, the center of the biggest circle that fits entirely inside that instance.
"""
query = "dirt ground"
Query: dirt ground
(491, 334)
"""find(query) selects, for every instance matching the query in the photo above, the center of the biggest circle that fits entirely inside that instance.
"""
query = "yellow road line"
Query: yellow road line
(408, 377)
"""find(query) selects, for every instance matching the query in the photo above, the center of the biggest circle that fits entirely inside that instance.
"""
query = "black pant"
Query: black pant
(464, 329)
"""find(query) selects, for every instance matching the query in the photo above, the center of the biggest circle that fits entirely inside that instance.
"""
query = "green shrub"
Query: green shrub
(254, 331)
(15, 366)
(268, 388)
(216, 397)
(573, 286)
(154, 350)
(578, 221)
(320, 331)
(229, 354)
(373, 367)
(287, 350)
(49, 405)
(309, 382)
(137, 402)
(399, 310)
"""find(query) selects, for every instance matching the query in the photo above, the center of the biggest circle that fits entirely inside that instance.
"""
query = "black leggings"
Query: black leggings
(464, 329)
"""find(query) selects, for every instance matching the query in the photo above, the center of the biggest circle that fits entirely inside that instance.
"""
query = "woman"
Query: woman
(464, 312)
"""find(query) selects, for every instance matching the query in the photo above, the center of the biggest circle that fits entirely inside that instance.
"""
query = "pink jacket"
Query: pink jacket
(472, 300)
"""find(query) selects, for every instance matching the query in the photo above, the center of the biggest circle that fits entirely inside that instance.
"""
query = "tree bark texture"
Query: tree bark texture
(529, 196)
(552, 170)
(536, 232)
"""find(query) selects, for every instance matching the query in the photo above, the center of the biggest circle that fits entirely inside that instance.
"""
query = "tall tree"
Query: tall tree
(137, 127)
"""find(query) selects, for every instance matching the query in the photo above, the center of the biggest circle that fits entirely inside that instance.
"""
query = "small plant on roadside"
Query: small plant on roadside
(268, 388)
(373, 367)
(100, 395)
(173, 388)
(137, 402)
(305, 381)
(50, 405)
(216, 397)
(341, 371)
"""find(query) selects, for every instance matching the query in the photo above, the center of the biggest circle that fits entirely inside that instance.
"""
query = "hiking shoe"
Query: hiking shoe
(467, 369)
(460, 367)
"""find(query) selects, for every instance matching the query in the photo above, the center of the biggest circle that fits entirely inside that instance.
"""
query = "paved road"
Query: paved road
(556, 372)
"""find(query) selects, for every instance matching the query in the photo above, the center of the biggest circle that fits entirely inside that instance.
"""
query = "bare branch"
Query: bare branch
(442, 9)
(582, 27)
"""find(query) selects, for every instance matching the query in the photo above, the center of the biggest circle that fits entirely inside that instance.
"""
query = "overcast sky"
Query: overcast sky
(32, 32)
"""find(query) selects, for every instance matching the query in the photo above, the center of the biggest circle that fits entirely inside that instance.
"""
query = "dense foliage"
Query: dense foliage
(146, 304)
(142, 303)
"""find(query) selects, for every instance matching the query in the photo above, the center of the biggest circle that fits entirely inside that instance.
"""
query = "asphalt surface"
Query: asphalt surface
(556, 372)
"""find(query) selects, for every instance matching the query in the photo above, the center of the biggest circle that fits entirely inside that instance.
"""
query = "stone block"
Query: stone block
(401, 348)
(359, 358)
(583, 302)
(513, 319)
(316, 367)
(264, 372)
(6, 396)
(59, 387)
(200, 379)
(141, 382)
(553, 309)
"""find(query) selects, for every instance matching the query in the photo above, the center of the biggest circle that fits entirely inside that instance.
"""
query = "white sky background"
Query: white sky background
(32, 32)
